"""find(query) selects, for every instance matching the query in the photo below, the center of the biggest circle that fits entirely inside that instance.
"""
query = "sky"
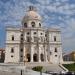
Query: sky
(55, 13)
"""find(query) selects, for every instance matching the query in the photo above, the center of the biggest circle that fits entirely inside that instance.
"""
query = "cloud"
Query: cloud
(55, 13)
(69, 44)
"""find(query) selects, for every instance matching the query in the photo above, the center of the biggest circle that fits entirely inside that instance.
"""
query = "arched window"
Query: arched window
(35, 57)
(12, 50)
(25, 25)
(33, 24)
(12, 37)
(40, 24)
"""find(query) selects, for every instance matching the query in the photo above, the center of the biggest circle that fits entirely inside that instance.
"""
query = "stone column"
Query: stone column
(39, 59)
(24, 55)
(45, 55)
(31, 53)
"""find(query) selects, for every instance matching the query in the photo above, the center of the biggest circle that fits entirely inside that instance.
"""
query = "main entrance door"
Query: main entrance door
(28, 57)
(42, 57)
(35, 57)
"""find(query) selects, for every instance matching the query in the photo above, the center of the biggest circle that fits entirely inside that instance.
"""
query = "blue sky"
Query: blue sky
(55, 13)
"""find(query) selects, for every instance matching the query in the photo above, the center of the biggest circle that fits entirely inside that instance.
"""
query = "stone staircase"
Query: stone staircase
(47, 66)
(28, 65)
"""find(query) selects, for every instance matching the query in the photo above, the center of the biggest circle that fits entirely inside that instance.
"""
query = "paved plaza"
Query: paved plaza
(8, 73)
(15, 69)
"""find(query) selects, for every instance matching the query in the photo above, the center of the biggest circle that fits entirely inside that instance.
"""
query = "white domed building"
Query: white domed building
(32, 42)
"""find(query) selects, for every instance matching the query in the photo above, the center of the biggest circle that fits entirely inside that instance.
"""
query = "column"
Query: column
(45, 55)
(31, 53)
(39, 59)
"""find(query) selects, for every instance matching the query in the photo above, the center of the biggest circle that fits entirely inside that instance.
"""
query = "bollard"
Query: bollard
(21, 72)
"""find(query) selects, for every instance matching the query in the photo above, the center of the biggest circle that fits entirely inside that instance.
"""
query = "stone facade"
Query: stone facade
(32, 42)
(2, 55)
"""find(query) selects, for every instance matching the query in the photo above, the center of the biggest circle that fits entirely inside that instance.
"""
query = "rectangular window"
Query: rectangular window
(28, 39)
(12, 50)
(21, 56)
(54, 38)
(21, 38)
(55, 49)
(21, 50)
(41, 33)
(41, 38)
(12, 37)
(35, 39)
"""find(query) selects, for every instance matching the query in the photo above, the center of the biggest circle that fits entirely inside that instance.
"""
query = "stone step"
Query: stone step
(46, 66)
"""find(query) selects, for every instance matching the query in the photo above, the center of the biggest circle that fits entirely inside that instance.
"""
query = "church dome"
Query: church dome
(31, 15)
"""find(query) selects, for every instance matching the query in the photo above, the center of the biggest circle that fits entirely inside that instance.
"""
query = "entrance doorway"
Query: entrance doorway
(28, 57)
(35, 57)
(42, 57)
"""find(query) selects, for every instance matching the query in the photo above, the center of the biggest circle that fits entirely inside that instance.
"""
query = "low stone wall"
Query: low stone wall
(65, 69)
(68, 62)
